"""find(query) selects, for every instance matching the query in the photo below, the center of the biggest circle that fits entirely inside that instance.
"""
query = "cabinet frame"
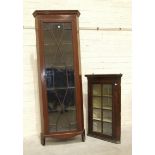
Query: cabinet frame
(115, 80)
(56, 16)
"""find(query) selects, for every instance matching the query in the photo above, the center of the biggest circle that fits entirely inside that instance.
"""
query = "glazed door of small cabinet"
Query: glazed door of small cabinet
(59, 76)
(104, 97)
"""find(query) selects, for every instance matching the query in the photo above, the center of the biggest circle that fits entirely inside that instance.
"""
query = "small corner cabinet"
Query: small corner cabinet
(104, 106)
(59, 74)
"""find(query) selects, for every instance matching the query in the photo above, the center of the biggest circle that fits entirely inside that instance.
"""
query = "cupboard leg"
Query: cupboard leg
(118, 142)
(42, 139)
(83, 136)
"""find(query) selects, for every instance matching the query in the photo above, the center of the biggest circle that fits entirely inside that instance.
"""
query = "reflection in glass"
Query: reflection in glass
(96, 90)
(97, 102)
(96, 126)
(107, 128)
(107, 90)
(97, 114)
(107, 109)
(59, 76)
(102, 108)
(107, 115)
(107, 102)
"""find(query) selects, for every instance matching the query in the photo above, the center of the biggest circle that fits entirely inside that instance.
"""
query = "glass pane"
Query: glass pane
(107, 102)
(59, 74)
(96, 126)
(107, 128)
(96, 90)
(107, 116)
(97, 114)
(107, 90)
(97, 102)
(58, 44)
(107, 109)
(107, 96)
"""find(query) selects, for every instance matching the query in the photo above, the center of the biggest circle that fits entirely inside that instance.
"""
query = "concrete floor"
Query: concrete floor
(91, 146)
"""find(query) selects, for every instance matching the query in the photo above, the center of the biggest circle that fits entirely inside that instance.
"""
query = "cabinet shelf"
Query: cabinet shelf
(96, 96)
(107, 95)
(60, 88)
(104, 108)
(70, 108)
(102, 96)
(52, 66)
(107, 108)
(64, 43)
(66, 110)
(96, 108)
(97, 119)
(108, 120)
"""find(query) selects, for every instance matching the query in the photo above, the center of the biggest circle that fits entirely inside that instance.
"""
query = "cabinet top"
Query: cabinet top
(56, 12)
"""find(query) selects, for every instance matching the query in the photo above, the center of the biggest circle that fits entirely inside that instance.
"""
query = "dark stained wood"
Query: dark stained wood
(64, 135)
(83, 136)
(42, 139)
(56, 12)
(58, 16)
(116, 105)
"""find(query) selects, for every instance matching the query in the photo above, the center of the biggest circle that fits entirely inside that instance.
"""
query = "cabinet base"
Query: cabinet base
(105, 138)
(42, 138)
(83, 136)
(62, 135)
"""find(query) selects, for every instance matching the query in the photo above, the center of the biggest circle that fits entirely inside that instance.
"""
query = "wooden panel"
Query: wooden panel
(115, 122)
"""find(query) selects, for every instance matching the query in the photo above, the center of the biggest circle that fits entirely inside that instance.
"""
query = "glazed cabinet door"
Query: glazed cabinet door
(59, 76)
(104, 111)
(102, 99)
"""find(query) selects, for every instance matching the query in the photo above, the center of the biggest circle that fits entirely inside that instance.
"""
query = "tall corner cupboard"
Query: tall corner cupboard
(59, 74)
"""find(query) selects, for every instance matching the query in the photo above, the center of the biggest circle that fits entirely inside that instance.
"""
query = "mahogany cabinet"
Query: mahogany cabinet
(104, 106)
(59, 74)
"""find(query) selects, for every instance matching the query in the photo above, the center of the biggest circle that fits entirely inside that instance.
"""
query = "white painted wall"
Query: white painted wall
(102, 52)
